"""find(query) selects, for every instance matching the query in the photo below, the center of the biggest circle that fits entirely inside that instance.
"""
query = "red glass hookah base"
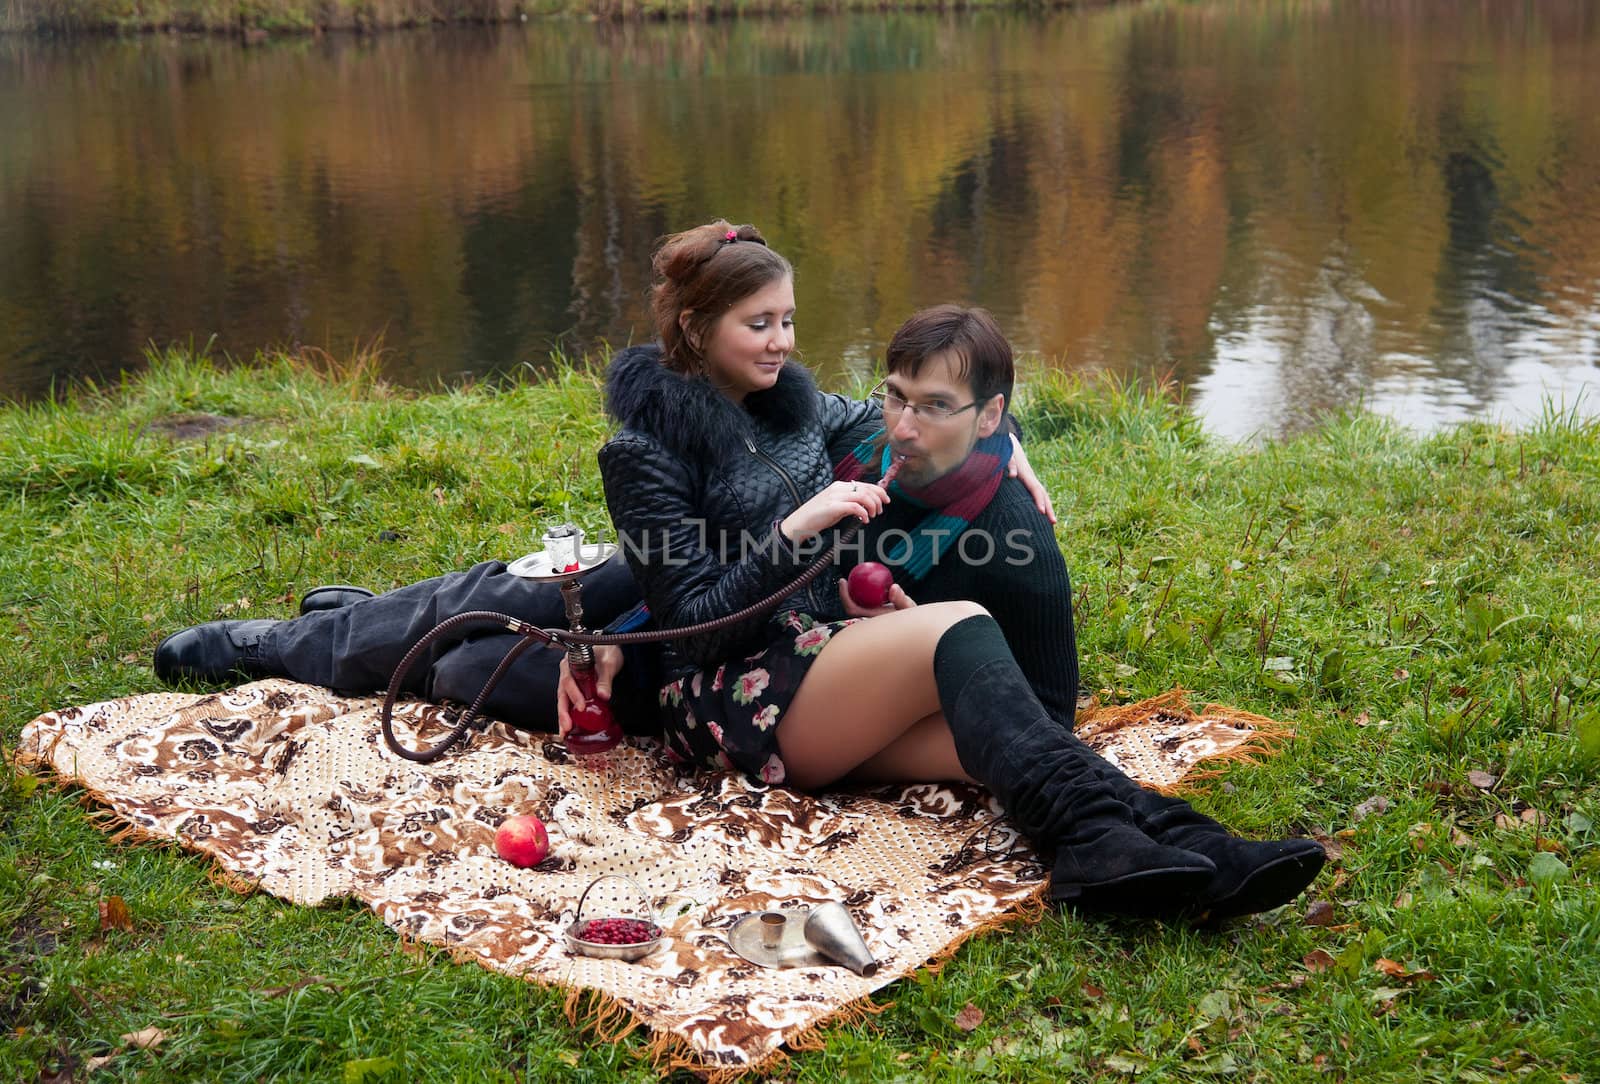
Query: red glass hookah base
(594, 728)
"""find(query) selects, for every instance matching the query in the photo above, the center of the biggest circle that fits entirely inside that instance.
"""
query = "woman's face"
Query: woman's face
(750, 342)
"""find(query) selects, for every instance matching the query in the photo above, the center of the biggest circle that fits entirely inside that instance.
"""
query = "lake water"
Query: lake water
(1287, 208)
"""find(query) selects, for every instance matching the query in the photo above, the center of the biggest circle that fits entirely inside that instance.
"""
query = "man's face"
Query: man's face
(933, 447)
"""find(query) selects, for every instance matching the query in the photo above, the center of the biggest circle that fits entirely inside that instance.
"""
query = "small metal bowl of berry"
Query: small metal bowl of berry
(613, 936)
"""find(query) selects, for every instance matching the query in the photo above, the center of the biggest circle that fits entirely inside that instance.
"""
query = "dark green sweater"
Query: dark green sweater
(1021, 579)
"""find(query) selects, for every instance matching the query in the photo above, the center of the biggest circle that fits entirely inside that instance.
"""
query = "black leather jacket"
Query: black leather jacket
(696, 485)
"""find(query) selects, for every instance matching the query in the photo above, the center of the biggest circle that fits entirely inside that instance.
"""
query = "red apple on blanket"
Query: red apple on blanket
(868, 584)
(522, 840)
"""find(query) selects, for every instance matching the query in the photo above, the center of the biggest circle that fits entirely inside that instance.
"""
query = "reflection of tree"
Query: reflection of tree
(1368, 190)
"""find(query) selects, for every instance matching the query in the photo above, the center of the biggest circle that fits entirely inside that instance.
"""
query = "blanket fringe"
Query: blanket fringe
(237, 883)
(1267, 735)
(603, 1014)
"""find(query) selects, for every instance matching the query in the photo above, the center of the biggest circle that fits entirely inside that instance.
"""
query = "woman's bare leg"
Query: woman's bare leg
(924, 754)
(870, 703)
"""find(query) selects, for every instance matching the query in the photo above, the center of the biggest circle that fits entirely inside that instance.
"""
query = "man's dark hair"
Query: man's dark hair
(982, 354)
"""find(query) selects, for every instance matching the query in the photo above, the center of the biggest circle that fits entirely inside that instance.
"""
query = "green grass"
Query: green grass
(254, 17)
(1418, 608)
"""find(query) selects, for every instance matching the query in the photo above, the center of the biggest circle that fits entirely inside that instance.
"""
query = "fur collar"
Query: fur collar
(691, 417)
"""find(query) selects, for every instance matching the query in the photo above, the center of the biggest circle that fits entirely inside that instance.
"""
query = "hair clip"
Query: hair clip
(730, 237)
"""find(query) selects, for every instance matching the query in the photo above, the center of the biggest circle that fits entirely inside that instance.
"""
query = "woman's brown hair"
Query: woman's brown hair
(705, 271)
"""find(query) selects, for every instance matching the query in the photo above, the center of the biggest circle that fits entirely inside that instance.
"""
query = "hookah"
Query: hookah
(594, 729)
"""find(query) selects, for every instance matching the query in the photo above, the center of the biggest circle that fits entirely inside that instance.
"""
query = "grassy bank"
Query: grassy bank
(1423, 610)
(256, 17)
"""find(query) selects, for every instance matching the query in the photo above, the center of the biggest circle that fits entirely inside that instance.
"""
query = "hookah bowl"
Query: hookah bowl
(565, 560)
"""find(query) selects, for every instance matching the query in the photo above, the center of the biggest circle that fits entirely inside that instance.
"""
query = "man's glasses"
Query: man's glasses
(893, 405)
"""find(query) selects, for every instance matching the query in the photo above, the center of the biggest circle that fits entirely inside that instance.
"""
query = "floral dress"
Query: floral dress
(728, 716)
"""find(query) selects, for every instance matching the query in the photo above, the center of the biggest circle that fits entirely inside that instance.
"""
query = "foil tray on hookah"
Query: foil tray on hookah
(537, 566)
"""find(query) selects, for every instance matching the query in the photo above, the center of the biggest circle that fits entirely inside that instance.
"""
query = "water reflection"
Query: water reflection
(1290, 208)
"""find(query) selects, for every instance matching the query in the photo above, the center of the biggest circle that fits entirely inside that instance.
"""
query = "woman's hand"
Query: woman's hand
(569, 698)
(840, 500)
(1020, 469)
(898, 600)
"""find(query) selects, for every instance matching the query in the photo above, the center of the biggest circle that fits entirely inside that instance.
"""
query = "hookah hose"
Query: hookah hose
(565, 637)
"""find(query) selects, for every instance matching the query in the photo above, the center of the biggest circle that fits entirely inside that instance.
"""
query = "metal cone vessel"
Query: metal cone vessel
(831, 932)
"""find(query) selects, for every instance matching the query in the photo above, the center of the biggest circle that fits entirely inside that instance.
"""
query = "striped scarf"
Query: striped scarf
(953, 501)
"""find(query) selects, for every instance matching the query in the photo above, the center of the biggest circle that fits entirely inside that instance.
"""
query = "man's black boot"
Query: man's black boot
(1050, 789)
(1252, 875)
(218, 651)
(332, 596)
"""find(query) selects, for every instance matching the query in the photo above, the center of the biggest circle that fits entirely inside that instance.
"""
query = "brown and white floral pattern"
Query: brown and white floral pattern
(291, 787)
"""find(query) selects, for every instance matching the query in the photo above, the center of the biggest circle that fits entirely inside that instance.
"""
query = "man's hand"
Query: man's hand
(607, 665)
(1020, 469)
(898, 600)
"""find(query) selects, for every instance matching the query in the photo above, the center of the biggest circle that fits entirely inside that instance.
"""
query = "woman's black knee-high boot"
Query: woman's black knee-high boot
(1252, 875)
(1050, 789)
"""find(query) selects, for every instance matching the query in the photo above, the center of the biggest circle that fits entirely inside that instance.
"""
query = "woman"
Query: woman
(723, 438)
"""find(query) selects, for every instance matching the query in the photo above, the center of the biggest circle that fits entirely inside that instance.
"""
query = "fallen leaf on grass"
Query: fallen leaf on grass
(1127, 1062)
(1546, 869)
(1399, 971)
(361, 1070)
(1376, 804)
(969, 1017)
(146, 1038)
(313, 980)
(1317, 960)
(1386, 995)
(1320, 913)
(1331, 846)
(1482, 780)
(63, 1073)
(114, 915)
(1521, 820)
(1091, 991)
(1221, 1063)
(97, 1063)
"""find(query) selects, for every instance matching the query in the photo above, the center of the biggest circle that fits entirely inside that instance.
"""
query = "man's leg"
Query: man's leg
(357, 647)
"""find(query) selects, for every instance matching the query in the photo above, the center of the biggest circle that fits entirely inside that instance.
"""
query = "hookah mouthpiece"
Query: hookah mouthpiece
(894, 469)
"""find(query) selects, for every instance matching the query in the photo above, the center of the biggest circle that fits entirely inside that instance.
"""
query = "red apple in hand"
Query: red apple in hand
(868, 584)
(522, 840)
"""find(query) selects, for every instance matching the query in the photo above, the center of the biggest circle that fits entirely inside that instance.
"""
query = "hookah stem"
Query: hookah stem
(565, 637)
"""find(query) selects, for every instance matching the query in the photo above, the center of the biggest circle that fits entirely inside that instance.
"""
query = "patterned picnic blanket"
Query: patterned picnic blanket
(290, 789)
